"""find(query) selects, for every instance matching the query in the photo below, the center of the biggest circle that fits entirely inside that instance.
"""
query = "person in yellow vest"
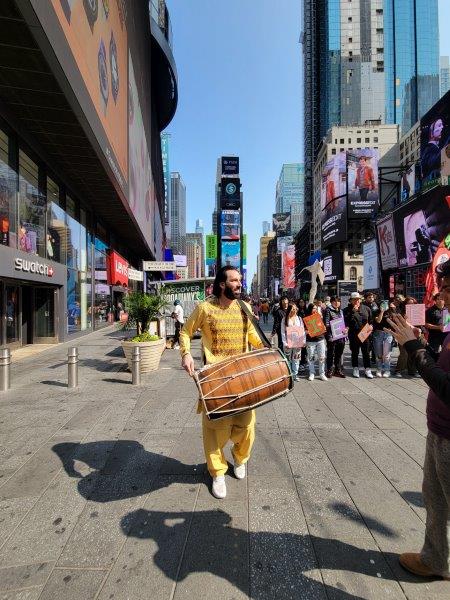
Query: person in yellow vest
(226, 331)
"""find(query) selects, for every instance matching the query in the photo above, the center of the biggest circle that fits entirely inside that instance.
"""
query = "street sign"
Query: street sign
(159, 265)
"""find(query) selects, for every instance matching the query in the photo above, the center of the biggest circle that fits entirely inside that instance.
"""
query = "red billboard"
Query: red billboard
(117, 269)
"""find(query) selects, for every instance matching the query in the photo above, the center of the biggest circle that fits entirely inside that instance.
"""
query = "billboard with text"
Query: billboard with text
(362, 181)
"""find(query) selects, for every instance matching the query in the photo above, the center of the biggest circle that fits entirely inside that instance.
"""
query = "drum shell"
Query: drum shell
(243, 382)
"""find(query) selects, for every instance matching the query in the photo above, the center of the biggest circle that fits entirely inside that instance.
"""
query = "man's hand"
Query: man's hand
(187, 362)
(401, 330)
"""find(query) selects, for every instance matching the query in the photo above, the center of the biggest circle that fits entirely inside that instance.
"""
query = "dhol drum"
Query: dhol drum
(243, 382)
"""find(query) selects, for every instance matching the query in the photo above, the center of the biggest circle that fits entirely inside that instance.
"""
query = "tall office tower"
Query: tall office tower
(195, 255)
(177, 213)
(266, 227)
(444, 64)
(290, 187)
(199, 226)
(366, 60)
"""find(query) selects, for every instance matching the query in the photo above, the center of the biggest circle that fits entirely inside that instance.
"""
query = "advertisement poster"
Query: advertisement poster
(333, 267)
(281, 224)
(435, 143)
(442, 255)
(230, 227)
(314, 325)
(284, 241)
(421, 225)
(230, 165)
(165, 137)
(295, 336)
(96, 36)
(231, 254)
(333, 201)
(180, 260)
(410, 182)
(230, 194)
(344, 289)
(387, 244)
(338, 329)
(371, 270)
(365, 332)
(415, 314)
(211, 249)
(362, 177)
(288, 267)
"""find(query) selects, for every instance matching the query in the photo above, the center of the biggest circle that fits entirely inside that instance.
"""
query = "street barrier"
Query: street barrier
(5, 369)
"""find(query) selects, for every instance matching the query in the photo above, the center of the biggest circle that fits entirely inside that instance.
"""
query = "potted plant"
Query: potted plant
(142, 309)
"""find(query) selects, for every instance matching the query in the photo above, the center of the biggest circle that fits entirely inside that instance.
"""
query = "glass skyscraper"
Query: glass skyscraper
(366, 60)
(290, 194)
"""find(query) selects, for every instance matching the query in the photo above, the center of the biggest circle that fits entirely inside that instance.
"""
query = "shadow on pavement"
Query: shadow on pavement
(57, 383)
(414, 498)
(352, 514)
(122, 469)
(279, 562)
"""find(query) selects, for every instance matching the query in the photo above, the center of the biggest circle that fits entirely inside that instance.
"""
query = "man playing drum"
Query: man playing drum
(226, 331)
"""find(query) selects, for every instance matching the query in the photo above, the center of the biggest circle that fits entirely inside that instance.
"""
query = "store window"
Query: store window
(8, 183)
(353, 274)
(57, 233)
(102, 291)
(32, 208)
(73, 237)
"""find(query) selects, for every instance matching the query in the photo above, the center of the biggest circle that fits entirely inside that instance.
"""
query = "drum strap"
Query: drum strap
(255, 323)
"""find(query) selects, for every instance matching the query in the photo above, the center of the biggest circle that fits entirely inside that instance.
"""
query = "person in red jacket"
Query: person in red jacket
(365, 179)
(433, 560)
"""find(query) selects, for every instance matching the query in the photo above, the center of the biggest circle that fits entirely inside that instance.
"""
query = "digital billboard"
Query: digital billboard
(282, 224)
(387, 243)
(211, 249)
(333, 201)
(231, 254)
(333, 267)
(284, 241)
(371, 270)
(411, 182)
(288, 266)
(362, 183)
(421, 226)
(230, 195)
(165, 140)
(230, 226)
(230, 165)
(435, 143)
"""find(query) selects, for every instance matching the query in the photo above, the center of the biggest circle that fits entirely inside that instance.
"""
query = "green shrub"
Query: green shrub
(143, 308)
(145, 337)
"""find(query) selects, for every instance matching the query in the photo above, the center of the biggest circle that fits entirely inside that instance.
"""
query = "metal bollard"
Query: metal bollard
(5, 369)
(135, 366)
(72, 367)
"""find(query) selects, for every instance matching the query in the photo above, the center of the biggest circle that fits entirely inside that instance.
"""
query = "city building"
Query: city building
(290, 187)
(177, 213)
(444, 76)
(266, 227)
(82, 188)
(262, 264)
(199, 226)
(366, 61)
(195, 255)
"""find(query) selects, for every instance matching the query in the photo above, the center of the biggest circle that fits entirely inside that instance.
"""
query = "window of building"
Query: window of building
(333, 151)
(366, 140)
(375, 139)
(342, 141)
(379, 30)
(8, 186)
(350, 19)
(353, 274)
(358, 140)
(350, 40)
(57, 234)
(32, 208)
(349, 140)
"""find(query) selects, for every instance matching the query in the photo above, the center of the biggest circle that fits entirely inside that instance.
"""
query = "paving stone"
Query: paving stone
(73, 584)
(25, 576)
(29, 594)
(12, 511)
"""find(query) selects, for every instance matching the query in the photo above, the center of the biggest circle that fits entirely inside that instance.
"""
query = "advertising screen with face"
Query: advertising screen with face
(434, 143)
(421, 226)
(90, 41)
(362, 174)
(230, 227)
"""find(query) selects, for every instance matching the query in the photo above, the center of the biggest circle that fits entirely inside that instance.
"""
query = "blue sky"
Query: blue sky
(240, 92)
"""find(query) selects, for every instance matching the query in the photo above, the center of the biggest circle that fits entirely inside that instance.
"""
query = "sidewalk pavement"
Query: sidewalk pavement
(103, 491)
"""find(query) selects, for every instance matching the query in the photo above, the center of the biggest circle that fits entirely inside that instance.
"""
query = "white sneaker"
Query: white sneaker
(379, 374)
(323, 377)
(311, 378)
(219, 489)
(387, 374)
(239, 471)
(399, 375)
(369, 374)
(355, 372)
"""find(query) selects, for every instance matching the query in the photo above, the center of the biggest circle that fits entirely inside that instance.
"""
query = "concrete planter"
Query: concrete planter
(151, 353)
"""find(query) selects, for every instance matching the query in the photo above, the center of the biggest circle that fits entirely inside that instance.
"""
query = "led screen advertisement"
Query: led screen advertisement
(362, 181)
(230, 165)
(421, 225)
(230, 226)
(230, 195)
(435, 143)
(333, 201)
(387, 243)
(411, 182)
(288, 267)
(231, 254)
(281, 224)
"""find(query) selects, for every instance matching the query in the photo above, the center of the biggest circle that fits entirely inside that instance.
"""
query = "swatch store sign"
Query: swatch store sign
(117, 270)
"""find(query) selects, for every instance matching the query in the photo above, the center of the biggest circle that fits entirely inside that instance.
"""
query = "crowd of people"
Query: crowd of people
(364, 312)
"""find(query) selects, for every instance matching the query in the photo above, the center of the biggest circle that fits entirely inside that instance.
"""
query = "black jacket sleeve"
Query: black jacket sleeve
(433, 375)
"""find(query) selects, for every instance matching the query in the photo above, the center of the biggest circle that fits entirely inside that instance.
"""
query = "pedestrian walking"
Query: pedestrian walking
(265, 309)
(382, 339)
(226, 331)
(433, 560)
(315, 347)
(434, 322)
(292, 351)
(335, 348)
(178, 317)
(279, 316)
(357, 316)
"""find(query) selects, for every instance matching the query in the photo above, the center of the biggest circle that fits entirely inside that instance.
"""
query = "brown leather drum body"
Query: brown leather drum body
(243, 382)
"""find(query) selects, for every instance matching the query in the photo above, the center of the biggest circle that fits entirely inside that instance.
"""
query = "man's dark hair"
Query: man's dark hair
(443, 270)
(221, 277)
(335, 299)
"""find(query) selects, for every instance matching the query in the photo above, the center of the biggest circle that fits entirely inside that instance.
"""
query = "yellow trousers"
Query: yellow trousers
(240, 429)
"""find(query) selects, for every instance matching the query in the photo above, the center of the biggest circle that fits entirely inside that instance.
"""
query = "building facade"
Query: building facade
(195, 255)
(263, 271)
(290, 187)
(177, 213)
(444, 74)
(82, 188)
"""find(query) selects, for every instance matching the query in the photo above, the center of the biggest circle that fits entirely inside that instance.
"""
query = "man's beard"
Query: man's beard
(228, 293)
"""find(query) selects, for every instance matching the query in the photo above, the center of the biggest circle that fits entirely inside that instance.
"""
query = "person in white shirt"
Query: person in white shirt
(178, 317)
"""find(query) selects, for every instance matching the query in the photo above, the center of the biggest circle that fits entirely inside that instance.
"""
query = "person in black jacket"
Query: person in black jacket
(278, 317)
(434, 559)
(357, 315)
(335, 348)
